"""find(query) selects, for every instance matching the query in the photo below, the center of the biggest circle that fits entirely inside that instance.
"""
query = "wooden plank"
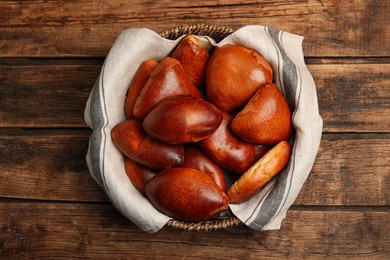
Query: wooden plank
(46, 165)
(87, 28)
(50, 165)
(352, 97)
(63, 88)
(350, 169)
(39, 230)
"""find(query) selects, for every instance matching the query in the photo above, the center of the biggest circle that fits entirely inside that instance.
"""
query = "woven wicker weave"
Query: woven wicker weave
(217, 33)
(214, 31)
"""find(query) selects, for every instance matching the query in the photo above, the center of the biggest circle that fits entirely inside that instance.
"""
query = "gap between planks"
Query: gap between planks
(98, 61)
(365, 208)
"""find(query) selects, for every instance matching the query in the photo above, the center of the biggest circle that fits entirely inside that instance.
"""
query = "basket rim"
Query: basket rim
(205, 226)
(217, 33)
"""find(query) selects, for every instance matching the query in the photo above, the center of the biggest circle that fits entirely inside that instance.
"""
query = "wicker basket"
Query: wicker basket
(213, 31)
(217, 33)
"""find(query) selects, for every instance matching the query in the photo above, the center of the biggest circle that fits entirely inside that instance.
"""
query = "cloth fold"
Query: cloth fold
(104, 109)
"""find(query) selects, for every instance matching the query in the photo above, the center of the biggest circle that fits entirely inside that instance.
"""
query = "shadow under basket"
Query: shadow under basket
(217, 33)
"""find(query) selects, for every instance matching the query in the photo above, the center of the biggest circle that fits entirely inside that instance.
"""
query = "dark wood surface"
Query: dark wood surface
(50, 56)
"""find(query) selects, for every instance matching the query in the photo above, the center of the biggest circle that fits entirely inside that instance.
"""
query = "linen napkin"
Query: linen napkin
(104, 109)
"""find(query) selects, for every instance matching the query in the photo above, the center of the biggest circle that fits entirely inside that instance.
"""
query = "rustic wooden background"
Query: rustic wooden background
(50, 55)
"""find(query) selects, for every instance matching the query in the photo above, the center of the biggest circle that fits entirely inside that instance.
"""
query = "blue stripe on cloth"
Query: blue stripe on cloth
(270, 205)
(96, 115)
(104, 137)
(97, 139)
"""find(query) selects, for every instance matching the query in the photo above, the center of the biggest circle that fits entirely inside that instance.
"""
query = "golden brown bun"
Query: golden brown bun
(193, 57)
(138, 82)
(186, 194)
(138, 174)
(266, 119)
(130, 138)
(229, 151)
(167, 80)
(234, 74)
(260, 173)
(196, 159)
(182, 119)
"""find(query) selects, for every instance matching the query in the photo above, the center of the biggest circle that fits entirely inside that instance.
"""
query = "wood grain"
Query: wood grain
(46, 165)
(51, 53)
(350, 169)
(88, 28)
(43, 96)
(50, 165)
(99, 231)
(352, 97)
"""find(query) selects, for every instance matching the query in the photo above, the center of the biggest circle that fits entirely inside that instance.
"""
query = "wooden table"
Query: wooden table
(51, 54)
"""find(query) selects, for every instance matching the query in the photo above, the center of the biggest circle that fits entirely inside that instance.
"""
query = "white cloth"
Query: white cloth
(104, 109)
